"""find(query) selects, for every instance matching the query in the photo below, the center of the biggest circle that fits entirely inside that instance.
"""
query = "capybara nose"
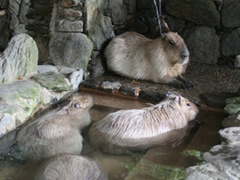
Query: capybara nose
(184, 54)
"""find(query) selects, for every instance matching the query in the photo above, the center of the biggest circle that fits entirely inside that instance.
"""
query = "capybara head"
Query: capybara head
(175, 47)
(188, 108)
(79, 102)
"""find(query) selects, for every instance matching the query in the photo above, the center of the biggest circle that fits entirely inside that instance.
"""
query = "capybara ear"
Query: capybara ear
(165, 28)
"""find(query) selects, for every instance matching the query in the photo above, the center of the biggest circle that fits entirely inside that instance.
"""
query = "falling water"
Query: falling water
(158, 12)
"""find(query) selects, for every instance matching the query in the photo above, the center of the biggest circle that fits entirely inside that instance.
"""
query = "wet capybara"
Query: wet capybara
(70, 167)
(58, 131)
(138, 129)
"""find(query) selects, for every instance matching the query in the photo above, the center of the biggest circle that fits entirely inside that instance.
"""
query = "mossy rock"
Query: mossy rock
(52, 81)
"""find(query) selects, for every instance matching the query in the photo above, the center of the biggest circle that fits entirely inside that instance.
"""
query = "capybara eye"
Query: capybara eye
(172, 42)
(188, 104)
(77, 105)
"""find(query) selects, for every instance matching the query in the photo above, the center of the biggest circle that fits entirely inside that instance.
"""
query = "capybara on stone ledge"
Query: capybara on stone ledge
(162, 60)
(139, 129)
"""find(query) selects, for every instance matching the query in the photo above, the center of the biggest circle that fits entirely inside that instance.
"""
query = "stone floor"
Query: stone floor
(213, 84)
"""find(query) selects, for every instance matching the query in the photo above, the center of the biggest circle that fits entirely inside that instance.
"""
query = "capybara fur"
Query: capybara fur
(162, 60)
(70, 167)
(140, 129)
(58, 131)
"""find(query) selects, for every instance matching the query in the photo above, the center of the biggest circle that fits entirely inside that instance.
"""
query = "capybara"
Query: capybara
(139, 129)
(71, 167)
(58, 131)
(162, 60)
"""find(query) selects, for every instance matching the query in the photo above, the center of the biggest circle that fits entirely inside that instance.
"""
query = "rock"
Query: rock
(19, 59)
(47, 68)
(91, 83)
(232, 108)
(142, 4)
(237, 61)
(70, 14)
(7, 123)
(69, 3)
(233, 105)
(218, 170)
(227, 153)
(76, 78)
(130, 91)
(65, 70)
(98, 26)
(151, 95)
(109, 86)
(17, 102)
(230, 43)
(119, 13)
(230, 13)
(63, 25)
(214, 100)
(96, 66)
(52, 81)
(101, 32)
(70, 49)
(231, 135)
(194, 11)
(202, 43)
(231, 121)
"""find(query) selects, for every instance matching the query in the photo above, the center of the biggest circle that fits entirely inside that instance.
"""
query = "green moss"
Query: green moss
(232, 108)
(234, 100)
(194, 153)
(53, 81)
(149, 169)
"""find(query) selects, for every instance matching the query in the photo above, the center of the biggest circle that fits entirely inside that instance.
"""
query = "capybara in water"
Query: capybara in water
(71, 167)
(139, 129)
(162, 60)
(58, 131)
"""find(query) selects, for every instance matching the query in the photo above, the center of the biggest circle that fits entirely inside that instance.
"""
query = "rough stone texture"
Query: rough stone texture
(227, 153)
(233, 105)
(101, 32)
(76, 78)
(68, 26)
(52, 81)
(4, 30)
(119, 13)
(217, 170)
(69, 3)
(230, 43)
(230, 14)
(98, 26)
(17, 102)
(47, 68)
(231, 121)
(70, 49)
(203, 44)
(19, 59)
(237, 61)
(231, 135)
(200, 12)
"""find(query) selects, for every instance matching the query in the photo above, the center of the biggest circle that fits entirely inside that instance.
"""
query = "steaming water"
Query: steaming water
(117, 166)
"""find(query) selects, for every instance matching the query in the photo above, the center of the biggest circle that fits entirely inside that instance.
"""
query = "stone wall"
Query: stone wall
(210, 28)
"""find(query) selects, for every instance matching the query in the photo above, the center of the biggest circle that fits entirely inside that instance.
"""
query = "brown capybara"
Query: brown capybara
(140, 129)
(70, 167)
(162, 60)
(58, 131)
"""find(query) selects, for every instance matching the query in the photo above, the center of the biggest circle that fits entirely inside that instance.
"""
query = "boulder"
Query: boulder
(231, 135)
(230, 14)
(98, 26)
(230, 43)
(19, 59)
(203, 44)
(52, 81)
(70, 49)
(202, 12)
